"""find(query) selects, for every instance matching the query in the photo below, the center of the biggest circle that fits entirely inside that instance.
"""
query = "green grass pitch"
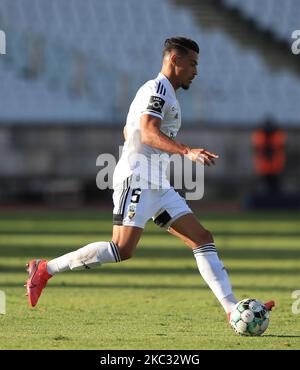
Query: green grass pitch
(156, 300)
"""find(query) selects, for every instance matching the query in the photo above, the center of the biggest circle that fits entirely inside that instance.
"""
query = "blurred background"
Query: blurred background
(72, 67)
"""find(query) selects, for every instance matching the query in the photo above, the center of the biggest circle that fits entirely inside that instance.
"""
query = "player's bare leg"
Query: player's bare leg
(122, 246)
(126, 238)
(194, 235)
(190, 231)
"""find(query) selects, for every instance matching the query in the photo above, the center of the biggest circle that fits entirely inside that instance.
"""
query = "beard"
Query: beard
(185, 87)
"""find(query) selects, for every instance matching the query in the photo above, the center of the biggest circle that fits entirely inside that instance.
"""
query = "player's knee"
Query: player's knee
(125, 252)
(125, 255)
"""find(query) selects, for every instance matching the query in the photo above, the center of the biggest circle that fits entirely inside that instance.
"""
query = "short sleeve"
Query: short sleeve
(154, 101)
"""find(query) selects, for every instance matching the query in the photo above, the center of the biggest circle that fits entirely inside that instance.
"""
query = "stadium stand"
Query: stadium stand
(281, 18)
(83, 60)
(72, 68)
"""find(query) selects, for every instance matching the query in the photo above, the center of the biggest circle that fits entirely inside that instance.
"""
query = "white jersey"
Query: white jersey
(158, 98)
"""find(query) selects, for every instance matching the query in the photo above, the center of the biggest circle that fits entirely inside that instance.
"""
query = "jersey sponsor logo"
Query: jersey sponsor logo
(156, 104)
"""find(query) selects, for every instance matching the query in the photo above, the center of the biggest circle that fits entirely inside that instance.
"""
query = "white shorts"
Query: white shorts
(134, 207)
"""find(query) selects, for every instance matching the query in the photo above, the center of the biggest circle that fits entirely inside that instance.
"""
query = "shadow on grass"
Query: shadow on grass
(69, 285)
(281, 336)
(168, 253)
(97, 233)
(106, 214)
(154, 271)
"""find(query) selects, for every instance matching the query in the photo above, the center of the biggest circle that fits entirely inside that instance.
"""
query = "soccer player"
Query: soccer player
(152, 124)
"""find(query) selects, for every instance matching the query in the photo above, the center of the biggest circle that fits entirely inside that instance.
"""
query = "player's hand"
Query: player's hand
(202, 155)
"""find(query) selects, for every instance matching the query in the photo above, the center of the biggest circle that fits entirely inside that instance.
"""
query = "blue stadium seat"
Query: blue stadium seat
(94, 55)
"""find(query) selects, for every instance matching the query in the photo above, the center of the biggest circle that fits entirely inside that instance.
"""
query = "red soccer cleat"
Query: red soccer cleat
(38, 277)
(269, 305)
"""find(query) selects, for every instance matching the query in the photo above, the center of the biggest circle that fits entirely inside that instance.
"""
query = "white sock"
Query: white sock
(85, 257)
(215, 275)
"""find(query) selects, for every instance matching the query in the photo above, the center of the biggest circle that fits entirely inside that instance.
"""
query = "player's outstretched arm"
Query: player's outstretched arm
(152, 136)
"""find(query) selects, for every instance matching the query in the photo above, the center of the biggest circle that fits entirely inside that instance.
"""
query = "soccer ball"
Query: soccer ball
(249, 317)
